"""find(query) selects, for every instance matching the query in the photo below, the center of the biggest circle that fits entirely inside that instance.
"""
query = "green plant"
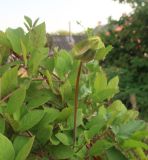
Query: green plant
(61, 107)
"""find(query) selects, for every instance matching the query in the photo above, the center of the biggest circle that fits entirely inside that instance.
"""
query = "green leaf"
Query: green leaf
(130, 115)
(64, 138)
(94, 130)
(9, 81)
(54, 140)
(4, 40)
(66, 91)
(50, 81)
(126, 130)
(44, 134)
(63, 63)
(61, 67)
(30, 119)
(2, 125)
(4, 47)
(16, 100)
(36, 98)
(24, 52)
(15, 36)
(61, 152)
(27, 27)
(6, 67)
(100, 147)
(104, 91)
(13, 123)
(22, 146)
(51, 114)
(48, 63)
(140, 134)
(70, 121)
(28, 20)
(6, 149)
(114, 154)
(140, 152)
(37, 36)
(81, 154)
(131, 143)
(4, 53)
(36, 59)
(115, 110)
(100, 81)
(96, 124)
(117, 106)
(104, 94)
(35, 22)
(64, 114)
(102, 52)
(113, 83)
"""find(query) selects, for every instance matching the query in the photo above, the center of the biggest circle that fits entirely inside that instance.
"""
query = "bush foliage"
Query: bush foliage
(61, 107)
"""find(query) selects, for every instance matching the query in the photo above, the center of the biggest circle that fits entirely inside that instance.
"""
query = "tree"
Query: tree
(134, 3)
(128, 36)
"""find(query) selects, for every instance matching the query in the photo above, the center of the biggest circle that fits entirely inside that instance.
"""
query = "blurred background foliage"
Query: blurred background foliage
(129, 57)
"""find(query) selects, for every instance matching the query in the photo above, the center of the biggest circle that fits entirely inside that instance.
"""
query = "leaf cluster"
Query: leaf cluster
(37, 95)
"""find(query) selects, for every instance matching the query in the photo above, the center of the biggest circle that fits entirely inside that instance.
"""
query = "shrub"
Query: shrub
(61, 107)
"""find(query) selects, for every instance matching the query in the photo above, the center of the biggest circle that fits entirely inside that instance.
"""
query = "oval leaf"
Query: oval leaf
(31, 119)
(22, 147)
(6, 148)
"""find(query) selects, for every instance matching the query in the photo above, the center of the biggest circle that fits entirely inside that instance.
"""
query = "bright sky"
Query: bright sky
(57, 13)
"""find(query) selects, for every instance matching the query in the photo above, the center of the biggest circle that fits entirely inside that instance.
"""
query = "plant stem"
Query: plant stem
(76, 102)
(17, 56)
(6, 97)
(29, 133)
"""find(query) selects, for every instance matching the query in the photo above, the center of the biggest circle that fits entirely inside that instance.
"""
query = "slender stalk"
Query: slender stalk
(6, 97)
(56, 76)
(76, 102)
(29, 133)
(17, 56)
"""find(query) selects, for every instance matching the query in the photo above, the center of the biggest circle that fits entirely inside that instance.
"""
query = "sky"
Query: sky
(58, 13)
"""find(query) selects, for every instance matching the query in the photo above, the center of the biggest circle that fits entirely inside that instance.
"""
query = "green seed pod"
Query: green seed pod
(85, 50)
(87, 56)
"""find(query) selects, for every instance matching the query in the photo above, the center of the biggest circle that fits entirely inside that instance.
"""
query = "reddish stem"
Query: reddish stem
(76, 101)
